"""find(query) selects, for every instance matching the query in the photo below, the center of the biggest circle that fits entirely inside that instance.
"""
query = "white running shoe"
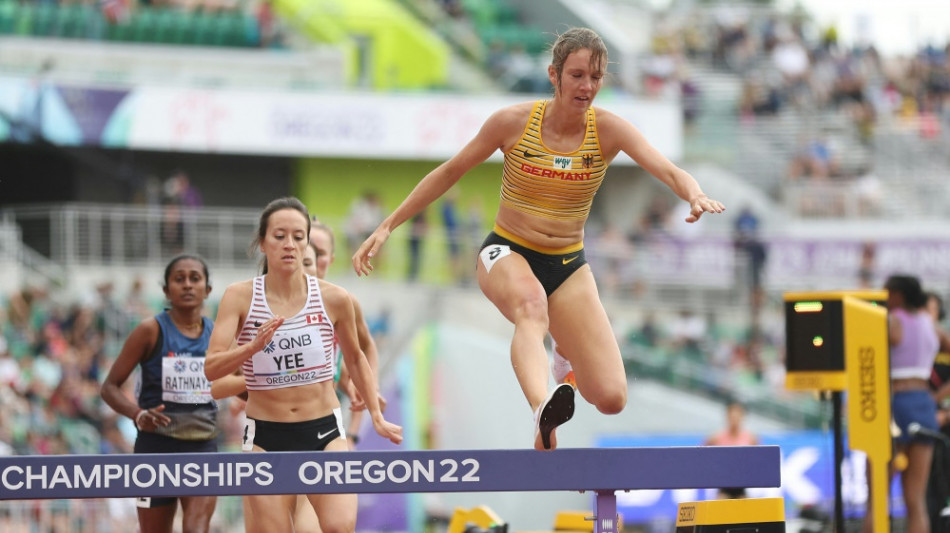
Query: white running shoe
(557, 409)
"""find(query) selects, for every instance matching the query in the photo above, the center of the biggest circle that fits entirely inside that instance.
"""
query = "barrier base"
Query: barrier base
(751, 515)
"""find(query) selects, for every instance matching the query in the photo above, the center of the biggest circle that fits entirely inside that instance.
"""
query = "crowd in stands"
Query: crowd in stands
(833, 99)
(785, 62)
(52, 355)
(232, 23)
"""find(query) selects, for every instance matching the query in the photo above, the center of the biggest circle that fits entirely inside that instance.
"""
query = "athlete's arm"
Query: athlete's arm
(340, 309)
(895, 332)
(140, 343)
(617, 133)
(368, 345)
(227, 386)
(224, 357)
(496, 133)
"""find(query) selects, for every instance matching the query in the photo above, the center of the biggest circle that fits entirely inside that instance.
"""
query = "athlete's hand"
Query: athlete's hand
(387, 430)
(151, 418)
(265, 333)
(236, 405)
(703, 204)
(356, 400)
(368, 250)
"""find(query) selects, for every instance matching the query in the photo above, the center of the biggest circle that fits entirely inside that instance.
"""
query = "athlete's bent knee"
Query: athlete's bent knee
(534, 309)
(611, 402)
(338, 526)
(197, 523)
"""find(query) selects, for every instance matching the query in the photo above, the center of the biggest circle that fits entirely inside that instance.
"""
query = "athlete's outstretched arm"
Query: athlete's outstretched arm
(619, 134)
(340, 309)
(490, 137)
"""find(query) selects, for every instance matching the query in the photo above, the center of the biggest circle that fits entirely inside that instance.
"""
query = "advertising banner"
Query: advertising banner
(426, 126)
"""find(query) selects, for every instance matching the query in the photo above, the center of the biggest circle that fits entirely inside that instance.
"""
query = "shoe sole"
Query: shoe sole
(558, 409)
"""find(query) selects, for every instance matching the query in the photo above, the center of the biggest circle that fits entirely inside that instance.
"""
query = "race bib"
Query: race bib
(184, 381)
(492, 253)
(291, 358)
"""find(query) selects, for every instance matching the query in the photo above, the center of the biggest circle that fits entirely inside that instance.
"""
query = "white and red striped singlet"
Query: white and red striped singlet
(302, 350)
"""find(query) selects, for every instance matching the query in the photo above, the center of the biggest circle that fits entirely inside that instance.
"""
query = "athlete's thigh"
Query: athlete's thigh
(581, 328)
(305, 518)
(508, 283)
(159, 519)
(269, 512)
(335, 512)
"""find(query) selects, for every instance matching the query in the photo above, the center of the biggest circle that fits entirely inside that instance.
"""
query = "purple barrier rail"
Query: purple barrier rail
(603, 470)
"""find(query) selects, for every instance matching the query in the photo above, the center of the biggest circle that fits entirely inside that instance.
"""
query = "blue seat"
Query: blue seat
(9, 10)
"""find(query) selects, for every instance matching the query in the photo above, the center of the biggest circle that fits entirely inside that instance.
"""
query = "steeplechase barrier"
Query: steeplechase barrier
(601, 470)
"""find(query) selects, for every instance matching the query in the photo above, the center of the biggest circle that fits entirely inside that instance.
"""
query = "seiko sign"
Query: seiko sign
(867, 393)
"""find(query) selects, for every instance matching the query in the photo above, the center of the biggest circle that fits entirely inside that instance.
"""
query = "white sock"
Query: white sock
(560, 366)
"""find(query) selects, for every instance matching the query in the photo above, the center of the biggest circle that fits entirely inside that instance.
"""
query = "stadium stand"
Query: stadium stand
(141, 24)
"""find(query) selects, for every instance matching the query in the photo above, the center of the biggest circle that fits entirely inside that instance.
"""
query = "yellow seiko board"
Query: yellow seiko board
(765, 515)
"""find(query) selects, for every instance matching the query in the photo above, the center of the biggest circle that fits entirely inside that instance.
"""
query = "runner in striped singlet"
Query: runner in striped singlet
(284, 323)
(318, 255)
(532, 266)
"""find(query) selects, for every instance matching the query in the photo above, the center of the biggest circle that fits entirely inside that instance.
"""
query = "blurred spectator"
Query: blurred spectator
(751, 256)
(648, 334)
(188, 194)
(733, 434)
(611, 252)
(453, 7)
(497, 59)
(417, 233)
(136, 305)
(869, 193)
(521, 74)
(474, 222)
(657, 215)
(365, 214)
(116, 11)
(733, 45)
(173, 223)
(266, 24)
(758, 98)
(866, 268)
(814, 159)
(687, 332)
(453, 235)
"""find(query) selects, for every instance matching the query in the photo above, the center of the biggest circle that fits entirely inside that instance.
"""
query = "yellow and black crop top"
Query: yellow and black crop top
(542, 182)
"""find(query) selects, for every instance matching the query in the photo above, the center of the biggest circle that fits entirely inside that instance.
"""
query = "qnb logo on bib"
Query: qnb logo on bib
(297, 341)
(562, 162)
